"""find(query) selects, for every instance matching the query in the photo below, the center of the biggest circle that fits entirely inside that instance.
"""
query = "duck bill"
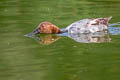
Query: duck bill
(35, 31)
(32, 33)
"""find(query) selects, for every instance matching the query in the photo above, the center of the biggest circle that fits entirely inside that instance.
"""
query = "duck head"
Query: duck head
(46, 27)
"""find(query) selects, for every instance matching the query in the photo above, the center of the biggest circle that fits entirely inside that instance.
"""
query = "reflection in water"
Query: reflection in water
(82, 38)
(48, 39)
(45, 39)
(98, 37)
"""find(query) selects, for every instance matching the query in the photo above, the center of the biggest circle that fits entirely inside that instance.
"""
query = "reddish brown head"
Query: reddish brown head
(47, 27)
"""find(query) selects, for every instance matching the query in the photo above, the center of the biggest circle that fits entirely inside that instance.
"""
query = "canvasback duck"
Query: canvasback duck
(89, 25)
(47, 27)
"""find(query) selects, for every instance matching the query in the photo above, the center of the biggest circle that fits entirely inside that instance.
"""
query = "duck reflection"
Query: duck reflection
(48, 39)
(98, 37)
(45, 39)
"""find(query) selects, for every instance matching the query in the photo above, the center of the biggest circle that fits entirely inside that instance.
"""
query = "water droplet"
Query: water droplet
(5, 10)
(74, 46)
(8, 43)
(32, 9)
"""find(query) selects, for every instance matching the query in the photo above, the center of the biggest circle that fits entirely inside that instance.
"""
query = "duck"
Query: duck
(91, 25)
(47, 27)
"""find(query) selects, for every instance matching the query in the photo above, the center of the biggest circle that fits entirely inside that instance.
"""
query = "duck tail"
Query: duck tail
(109, 18)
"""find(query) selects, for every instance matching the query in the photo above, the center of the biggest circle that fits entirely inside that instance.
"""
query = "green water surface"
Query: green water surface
(23, 58)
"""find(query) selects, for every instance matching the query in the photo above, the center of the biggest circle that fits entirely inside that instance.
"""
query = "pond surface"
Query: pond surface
(59, 58)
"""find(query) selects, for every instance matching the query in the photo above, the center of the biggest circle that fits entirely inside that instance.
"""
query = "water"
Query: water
(56, 58)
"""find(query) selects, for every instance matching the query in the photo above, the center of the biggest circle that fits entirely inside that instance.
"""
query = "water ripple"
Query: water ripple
(114, 29)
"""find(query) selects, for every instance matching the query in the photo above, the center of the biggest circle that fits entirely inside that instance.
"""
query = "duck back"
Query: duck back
(89, 25)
